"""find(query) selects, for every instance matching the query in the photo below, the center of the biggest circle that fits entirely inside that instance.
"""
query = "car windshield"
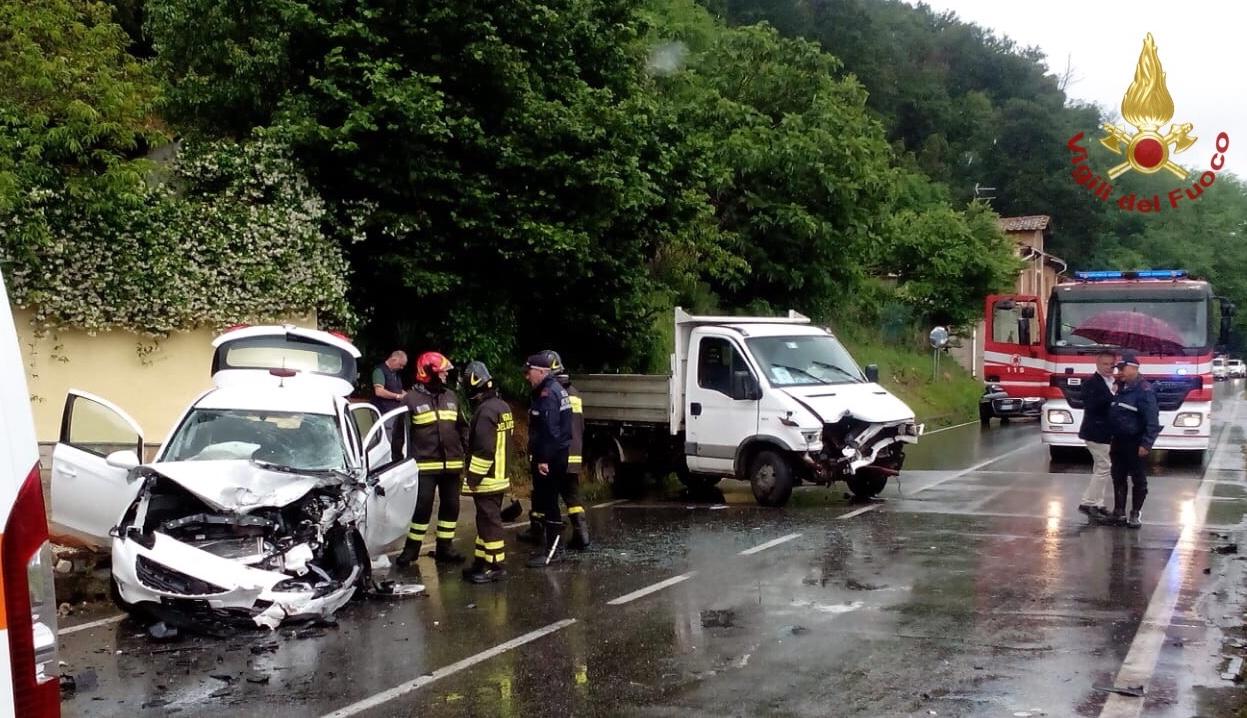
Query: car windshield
(1146, 325)
(805, 360)
(288, 440)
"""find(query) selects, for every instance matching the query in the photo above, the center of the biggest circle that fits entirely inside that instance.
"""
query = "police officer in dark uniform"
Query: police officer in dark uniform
(570, 490)
(387, 391)
(1135, 418)
(438, 438)
(489, 451)
(549, 441)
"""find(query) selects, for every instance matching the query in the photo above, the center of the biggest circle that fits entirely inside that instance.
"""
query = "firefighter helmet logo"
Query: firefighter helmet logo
(1148, 106)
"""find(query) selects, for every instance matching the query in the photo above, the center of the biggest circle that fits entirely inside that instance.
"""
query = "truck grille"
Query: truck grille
(1171, 391)
(162, 578)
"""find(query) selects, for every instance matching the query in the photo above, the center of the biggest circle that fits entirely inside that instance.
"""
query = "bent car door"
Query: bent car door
(89, 493)
(393, 499)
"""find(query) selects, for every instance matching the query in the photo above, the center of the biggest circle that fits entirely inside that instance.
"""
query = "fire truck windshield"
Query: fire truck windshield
(1152, 325)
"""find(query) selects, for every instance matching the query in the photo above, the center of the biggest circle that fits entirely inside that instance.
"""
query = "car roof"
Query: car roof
(289, 398)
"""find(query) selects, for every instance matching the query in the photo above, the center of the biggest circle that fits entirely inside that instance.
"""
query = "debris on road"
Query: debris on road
(1234, 672)
(718, 618)
(1227, 548)
(1131, 691)
(162, 631)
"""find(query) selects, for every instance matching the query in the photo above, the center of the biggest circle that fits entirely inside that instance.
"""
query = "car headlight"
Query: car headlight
(1060, 416)
(812, 437)
(1188, 420)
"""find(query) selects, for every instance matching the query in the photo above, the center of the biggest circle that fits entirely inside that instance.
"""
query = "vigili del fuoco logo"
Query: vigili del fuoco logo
(1147, 106)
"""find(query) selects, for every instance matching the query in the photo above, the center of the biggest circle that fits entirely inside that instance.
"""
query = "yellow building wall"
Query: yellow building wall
(152, 380)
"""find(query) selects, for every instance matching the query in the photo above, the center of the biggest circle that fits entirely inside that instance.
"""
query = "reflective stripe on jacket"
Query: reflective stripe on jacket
(437, 430)
(489, 448)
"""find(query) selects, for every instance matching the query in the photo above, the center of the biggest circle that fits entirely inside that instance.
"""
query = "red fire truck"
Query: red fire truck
(1172, 322)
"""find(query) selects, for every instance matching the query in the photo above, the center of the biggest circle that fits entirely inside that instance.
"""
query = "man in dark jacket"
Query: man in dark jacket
(387, 391)
(1135, 419)
(549, 440)
(1098, 390)
(570, 489)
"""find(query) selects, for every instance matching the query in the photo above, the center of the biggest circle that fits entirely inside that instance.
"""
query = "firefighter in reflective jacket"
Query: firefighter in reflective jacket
(570, 490)
(549, 439)
(438, 434)
(489, 452)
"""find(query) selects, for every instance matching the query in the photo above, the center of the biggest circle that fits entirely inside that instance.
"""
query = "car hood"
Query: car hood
(866, 402)
(239, 485)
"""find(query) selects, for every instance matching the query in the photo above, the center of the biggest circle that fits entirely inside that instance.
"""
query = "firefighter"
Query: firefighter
(489, 450)
(438, 433)
(570, 489)
(549, 439)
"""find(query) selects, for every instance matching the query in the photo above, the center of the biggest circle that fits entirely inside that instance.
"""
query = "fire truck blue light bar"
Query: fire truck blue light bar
(1104, 274)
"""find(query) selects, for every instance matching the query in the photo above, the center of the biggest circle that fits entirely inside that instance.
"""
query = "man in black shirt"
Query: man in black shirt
(387, 390)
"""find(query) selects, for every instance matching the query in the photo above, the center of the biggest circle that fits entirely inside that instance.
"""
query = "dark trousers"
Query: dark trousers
(1128, 464)
(569, 489)
(446, 484)
(490, 546)
(546, 490)
(398, 435)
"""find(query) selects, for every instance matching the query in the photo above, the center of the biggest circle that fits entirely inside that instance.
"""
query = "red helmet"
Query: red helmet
(429, 364)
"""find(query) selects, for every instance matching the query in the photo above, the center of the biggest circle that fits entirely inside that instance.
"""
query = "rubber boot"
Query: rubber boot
(477, 572)
(497, 572)
(446, 553)
(411, 552)
(553, 549)
(533, 535)
(1135, 521)
(580, 532)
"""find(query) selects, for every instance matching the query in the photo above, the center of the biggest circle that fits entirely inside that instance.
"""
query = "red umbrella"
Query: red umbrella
(1131, 330)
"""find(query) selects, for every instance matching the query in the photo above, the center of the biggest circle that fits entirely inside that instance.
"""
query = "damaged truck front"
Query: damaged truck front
(773, 401)
(268, 502)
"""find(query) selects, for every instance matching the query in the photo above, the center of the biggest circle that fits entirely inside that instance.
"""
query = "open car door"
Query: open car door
(99, 444)
(392, 502)
(367, 416)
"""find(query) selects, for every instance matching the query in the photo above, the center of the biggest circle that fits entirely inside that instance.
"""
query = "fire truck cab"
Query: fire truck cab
(1167, 319)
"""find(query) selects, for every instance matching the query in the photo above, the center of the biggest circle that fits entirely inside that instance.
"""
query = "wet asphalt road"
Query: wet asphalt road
(976, 589)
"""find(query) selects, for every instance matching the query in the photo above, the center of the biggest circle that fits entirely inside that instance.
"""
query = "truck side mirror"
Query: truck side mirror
(872, 373)
(745, 386)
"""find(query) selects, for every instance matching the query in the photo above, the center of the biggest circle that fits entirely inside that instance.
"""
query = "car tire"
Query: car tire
(771, 477)
(867, 485)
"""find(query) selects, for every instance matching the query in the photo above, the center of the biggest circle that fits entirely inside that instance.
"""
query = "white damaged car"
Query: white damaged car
(267, 502)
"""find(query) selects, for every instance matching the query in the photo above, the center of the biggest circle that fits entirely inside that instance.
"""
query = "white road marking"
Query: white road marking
(629, 597)
(976, 467)
(858, 512)
(609, 503)
(769, 544)
(1140, 663)
(93, 624)
(405, 688)
(948, 428)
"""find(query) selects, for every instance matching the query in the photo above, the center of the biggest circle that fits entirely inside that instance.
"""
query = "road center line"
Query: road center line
(769, 544)
(609, 503)
(629, 597)
(858, 512)
(409, 686)
(976, 467)
(1140, 663)
(93, 624)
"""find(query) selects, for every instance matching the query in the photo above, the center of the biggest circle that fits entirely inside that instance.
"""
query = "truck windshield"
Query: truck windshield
(804, 360)
(296, 441)
(1148, 326)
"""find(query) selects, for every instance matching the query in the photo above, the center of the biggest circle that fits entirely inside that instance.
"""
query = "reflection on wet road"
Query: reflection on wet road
(974, 588)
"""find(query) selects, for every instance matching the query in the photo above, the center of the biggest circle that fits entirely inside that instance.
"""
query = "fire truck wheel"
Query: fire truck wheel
(771, 477)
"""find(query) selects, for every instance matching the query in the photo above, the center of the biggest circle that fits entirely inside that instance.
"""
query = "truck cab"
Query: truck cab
(774, 401)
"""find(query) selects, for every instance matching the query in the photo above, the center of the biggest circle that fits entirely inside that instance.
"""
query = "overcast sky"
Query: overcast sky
(1202, 48)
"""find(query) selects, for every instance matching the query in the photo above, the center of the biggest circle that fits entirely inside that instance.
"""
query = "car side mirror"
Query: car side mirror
(872, 373)
(125, 459)
(745, 386)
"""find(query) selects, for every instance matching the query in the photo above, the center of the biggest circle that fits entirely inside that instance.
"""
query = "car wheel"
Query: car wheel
(771, 477)
(867, 484)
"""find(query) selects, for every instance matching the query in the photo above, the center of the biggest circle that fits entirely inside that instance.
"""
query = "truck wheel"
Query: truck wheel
(608, 469)
(771, 478)
(867, 485)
